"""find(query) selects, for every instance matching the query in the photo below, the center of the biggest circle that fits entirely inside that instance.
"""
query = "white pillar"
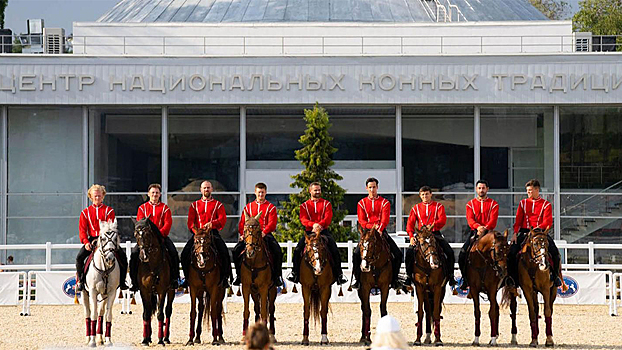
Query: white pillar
(164, 197)
(398, 169)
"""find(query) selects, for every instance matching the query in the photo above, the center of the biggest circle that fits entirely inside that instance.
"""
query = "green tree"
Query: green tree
(601, 17)
(3, 5)
(316, 156)
(552, 9)
(17, 45)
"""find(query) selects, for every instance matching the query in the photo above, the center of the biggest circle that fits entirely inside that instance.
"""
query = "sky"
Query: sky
(62, 13)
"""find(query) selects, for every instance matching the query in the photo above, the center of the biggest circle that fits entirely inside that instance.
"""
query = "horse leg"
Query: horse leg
(493, 314)
(263, 303)
(161, 300)
(201, 312)
(94, 317)
(436, 306)
(272, 309)
(420, 301)
(193, 315)
(384, 297)
(548, 318)
(513, 305)
(87, 315)
(325, 298)
(221, 339)
(478, 314)
(109, 304)
(247, 313)
(306, 295)
(214, 313)
(363, 293)
(168, 312)
(429, 310)
(533, 314)
(147, 312)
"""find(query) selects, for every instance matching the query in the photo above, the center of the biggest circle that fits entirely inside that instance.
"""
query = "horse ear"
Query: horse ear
(258, 216)
(245, 216)
(505, 234)
(546, 231)
(195, 230)
(134, 221)
(148, 216)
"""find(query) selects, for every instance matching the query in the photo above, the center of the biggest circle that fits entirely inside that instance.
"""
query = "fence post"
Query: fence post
(591, 255)
(48, 256)
(289, 254)
(350, 248)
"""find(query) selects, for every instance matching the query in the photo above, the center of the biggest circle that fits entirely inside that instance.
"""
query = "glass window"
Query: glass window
(433, 138)
(516, 146)
(204, 144)
(272, 133)
(180, 204)
(125, 148)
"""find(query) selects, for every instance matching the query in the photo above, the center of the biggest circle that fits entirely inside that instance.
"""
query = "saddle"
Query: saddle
(88, 260)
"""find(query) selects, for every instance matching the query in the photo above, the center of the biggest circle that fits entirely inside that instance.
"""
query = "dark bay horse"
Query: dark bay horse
(204, 278)
(430, 280)
(534, 276)
(256, 276)
(376, 272)
(486, 269)
(316, 278)
(154, 280)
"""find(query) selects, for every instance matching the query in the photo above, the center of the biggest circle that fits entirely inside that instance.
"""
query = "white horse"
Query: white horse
(102, 279)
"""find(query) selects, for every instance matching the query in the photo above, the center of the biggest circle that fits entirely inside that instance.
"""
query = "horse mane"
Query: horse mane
(145, 222)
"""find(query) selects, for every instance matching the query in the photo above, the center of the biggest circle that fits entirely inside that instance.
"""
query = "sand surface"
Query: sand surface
(52, 327)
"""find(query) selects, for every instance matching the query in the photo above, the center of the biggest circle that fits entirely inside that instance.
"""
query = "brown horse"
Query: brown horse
(376, 272)
(204, 278)
(486, 269)
(430, 280)
(154, 280)
(316, 278)
(256, 275)
(534, 277)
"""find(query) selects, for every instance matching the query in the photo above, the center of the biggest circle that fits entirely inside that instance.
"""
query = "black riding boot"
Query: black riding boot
(134, 269)
(462, 262)
(80, 258)
(556, 257)
(450, 258)
(512, 280)
(223, 256)
(277, 259)
(294, 276)
(409, 261)
(336, 258)
(238, 250)
(185, 260)
(356, 267)
(396, 260)
(123, 267)
(174, 262)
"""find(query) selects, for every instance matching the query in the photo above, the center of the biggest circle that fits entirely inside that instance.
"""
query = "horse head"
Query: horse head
(539, 243)
(499, 253)
(428, 247)
(108, 242)
(369, 244)
(202, 250)
(146, 234)
(252, 235)
(315, 252)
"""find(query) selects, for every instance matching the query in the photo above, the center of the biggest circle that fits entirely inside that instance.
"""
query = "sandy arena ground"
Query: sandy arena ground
(54, 327)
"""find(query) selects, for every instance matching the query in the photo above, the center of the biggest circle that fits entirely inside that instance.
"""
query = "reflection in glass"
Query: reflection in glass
(437, 147)
(125, 148)
(181, 234)
(272, 133)
(597, 230)
(204, 144)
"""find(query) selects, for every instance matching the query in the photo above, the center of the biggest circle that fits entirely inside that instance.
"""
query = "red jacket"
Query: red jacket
(160, 216)
(316, 212)
(423, 214)
(90, 218)
(374, 211)
(482, 213)
(532, 213)
(203, 211)
(268, 216)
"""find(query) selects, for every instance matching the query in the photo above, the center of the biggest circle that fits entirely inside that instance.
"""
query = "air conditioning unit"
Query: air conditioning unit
(53, 40)
(582, 41)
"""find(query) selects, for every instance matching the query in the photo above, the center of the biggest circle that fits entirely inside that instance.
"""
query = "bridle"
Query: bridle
(369, 248)
(144, 240)
(539, 248)
(202, 251)
(105, 239)
(498, 254)
(427, 247)
(252, 238)
(313, 258)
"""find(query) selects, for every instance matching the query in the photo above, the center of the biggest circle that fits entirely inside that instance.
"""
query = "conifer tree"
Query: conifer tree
(316, 156)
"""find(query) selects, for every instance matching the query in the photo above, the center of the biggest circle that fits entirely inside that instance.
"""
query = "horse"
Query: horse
(534, 276)
(256, 276)
(154, 280)
(205, 289)
(486, 271)
(102, 279)
(376, 272)
(430, 280)
(316, 278)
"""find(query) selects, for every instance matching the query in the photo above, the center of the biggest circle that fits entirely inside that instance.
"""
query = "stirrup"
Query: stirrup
(79, 287)
(278, 282)
(293, 277)
(236, 281)
(341, 279)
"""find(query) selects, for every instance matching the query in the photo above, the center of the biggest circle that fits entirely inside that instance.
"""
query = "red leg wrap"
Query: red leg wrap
(549, 326)
(146, 325)
(167, 327)
(88, 327)
(478, 330)
(437, 328)
(93, 327)
(534, 330)
(100, 326)
(108, 329)
(160, 329)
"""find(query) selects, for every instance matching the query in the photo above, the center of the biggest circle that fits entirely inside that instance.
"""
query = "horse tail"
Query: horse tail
(316, 304)
(207, 312)
(154, 303)
(507, 296)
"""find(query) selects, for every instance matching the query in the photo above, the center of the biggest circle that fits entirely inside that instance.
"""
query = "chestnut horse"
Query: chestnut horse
(376, 272)
(430, 280)
(154, 280)
(205, 289)
(534, 276)
(316, 278)
(256, 275)
(486, 269)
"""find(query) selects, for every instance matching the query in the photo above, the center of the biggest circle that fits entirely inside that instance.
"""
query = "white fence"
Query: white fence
(24, 286)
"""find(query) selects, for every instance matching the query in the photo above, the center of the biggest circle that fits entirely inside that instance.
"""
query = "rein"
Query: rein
(384, 247)
(105, 273)
(258, 248)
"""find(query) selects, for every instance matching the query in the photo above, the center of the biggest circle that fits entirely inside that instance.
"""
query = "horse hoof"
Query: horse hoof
(161, 342)
(427, 341)
(304, 342)
(438, 343)
(215, 342)
(272, 339)
(324, 340)
(197, 340)
(167, 341)
(534, 343)
(145, 343)
(417, 342)
(475, 344)
(189, 343)
(549, 342)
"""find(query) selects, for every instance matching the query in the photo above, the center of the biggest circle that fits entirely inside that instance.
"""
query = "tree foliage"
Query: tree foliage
(316, 157)
(552, 9)
(601, 17)
(3, 5)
